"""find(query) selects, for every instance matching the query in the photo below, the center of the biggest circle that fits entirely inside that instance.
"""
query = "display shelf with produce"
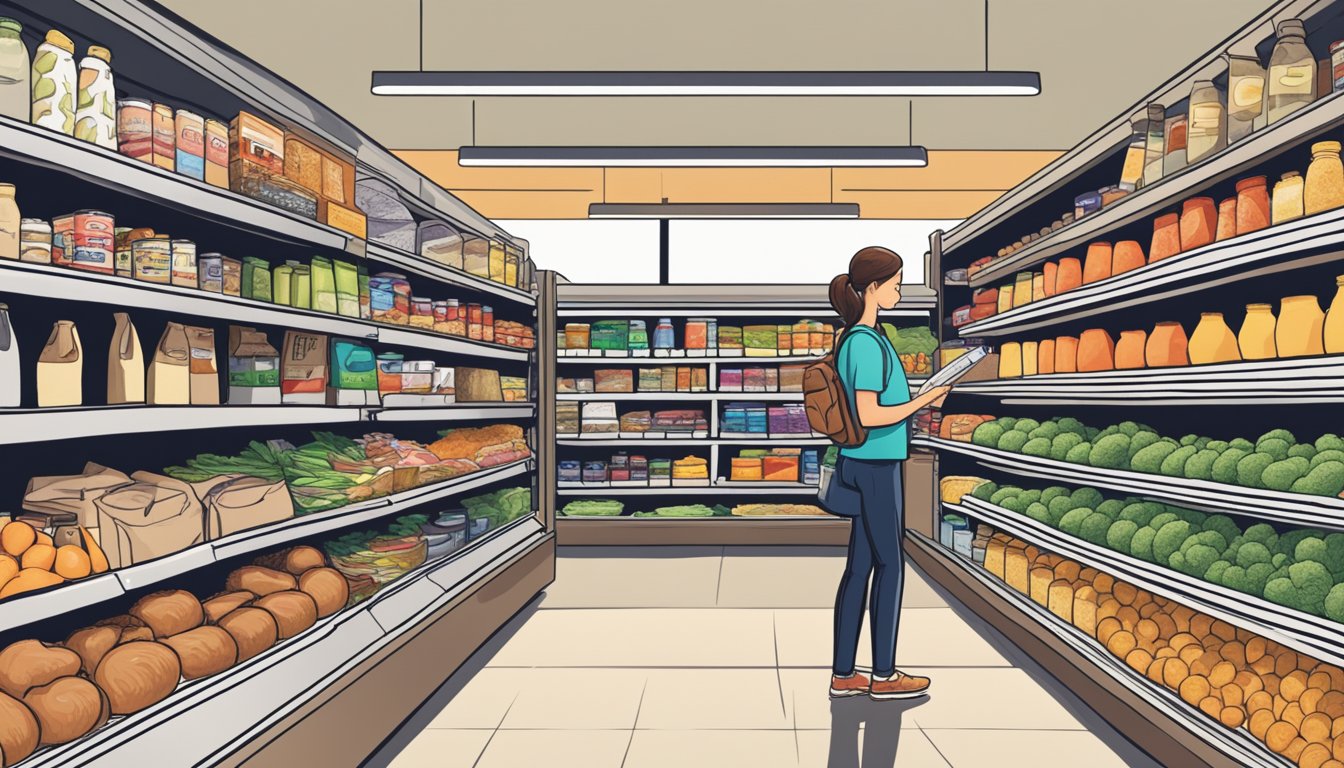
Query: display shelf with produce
(784, 439)
(717, 489)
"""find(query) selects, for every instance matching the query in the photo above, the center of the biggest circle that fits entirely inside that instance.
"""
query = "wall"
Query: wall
(592, 250)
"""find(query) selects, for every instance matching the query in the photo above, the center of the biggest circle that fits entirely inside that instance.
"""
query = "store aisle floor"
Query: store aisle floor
(712, 657)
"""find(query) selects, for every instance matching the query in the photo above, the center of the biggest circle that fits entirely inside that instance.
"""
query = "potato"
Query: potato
(1279, 736)
(1108, 607)
(40, 556)
(137, 675)
(1166, 626)
(1234, 652)
(19, 731)
(1182, 616)
(1249, 681)
(294, 611)
(1182, 639)
(1232, 717)
(67, 708)
(1148, 610)
(1320, 680)
(1232, 695)
(1293, 685)
(1222, 673)
(225, 603)
(1212, 706)
(329, 589)
(1104, 583)
(1121, 643)
(203, 651)
(1313, 756)
(169, 613)
(29, 580)
(294, 561)
(1259, 722)
(1166, 652)
(253, 630)
(1129, 618)
(1068, 570)
(92, 643)
(1107, 627)
(1285, 663)
(259, 580)
(1174, 673)
(1146, 629)
(1255, 648)
(1264, 665)
(28, 664)
(1280, 705)
(1332, 704)
(1293, 714)
(16, 537)
(1139, 660)
(1200, 625)
(1258, 701)
(1223, 631)
(1337, 745)
(1316, 727)
(1191, 654)
(1125, 592)
(1295, 749)
(1205, 663)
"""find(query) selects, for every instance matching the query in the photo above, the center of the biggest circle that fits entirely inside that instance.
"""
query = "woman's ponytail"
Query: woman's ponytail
(873, 264)
(845, 300)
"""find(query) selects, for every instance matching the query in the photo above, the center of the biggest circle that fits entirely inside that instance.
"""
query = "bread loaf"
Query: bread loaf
(328, 588)
(170, 612)
(1060, 599)
(66, 709)
(294, 560)
(260, 580)
(92, 643)
(28, 664)
(994, 556)
(1085, 610)
(18, 730)
(137, 675)
(225, 603)
(203, 651)
(1015, 570)
(294, 612)
(253, 630)
(1039, 585)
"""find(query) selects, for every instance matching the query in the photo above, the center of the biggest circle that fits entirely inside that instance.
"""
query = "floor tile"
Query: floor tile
(483, 701)
(919, 593)
(1048, 749)
(927, 637)
(712, 749)
(665, 577)
(754, 579)
(808, 704)
(990, 698)
(556, 749)
(642, 638)
(577, 699)
(440, 748)
(712, 699)
(872, 747)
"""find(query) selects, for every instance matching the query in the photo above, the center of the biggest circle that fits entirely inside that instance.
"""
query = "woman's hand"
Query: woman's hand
(937, 395)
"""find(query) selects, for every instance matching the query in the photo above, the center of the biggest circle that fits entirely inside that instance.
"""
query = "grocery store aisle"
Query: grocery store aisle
(720, 657)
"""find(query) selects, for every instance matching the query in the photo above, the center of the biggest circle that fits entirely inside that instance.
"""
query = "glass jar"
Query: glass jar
(1300, 331)
(1154, 151)
(1131, 175)
(1010, 360)
(1255, 340)
(1292, 73)
(1287, 204)
(487, 323)
(1096, 351)
(1166, 237)
(1045, 357)
(1213, 341)
(16, 91)
(474, 322)
(1167, 346)
(1066, 354)
(1334, 321)
(1252, 205)
(1129, 350)
(96, 114)
(1227, 219)
(1207, 126)
(1324, 186)
(1199, 220)
(1245, 96)
(422, 313)
(1097, 264)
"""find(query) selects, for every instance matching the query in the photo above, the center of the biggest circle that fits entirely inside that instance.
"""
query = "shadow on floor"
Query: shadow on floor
(881, 723)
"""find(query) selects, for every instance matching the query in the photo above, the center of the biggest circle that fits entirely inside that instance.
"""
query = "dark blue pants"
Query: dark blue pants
(874, 548)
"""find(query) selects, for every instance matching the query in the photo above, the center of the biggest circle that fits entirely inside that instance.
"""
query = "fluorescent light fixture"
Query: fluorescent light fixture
(965, 83)
(723, 211)
(695, 157)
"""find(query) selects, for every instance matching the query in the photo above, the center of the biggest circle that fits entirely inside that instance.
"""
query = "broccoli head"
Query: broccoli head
(1217, 445)
(1250, 469)
(1211, 539)
(1249, 580)
(1063, 442)
(1025, 426)
(1013, 441)
(1242, 444)
(1142, 440)
(1120, 534)
(1087, 497)
(1328, 551)
(1225, 468)
(1048, 430)
(1304, 450)
(987, 434)
(1203, 443)
(1200, 466)
(1334, 603)
(1169, 539)
(1149, 459)
(1111, 452)
(1330, 442)
(1140, 512)
(1161, 519)
(1325, 480)
(1129, 428)
(1038, 447)
(1053, 492)
(1174, 464)
(1192, 516)
(1329, 454)
(1276, 434)
(1070, 424)
(1214, 573)
(1072, 522)
(1079, 453)
(1189, 440)
(1275, 447)
(1007, 422)
(1252, 552)
(1263, 533)
(1107, 432)
(1038, 512)
(1016, 504)
(1280, 560)
(1289, 540)
(1111, 508)
(1141, 546)
(1030, 495)
(1305, 588)
(1281, 475)
(1195, 560)
(998, 496)
(1059, 506)
(1224, 525)
(986, 490)
(1092, 434)
(1094, 528)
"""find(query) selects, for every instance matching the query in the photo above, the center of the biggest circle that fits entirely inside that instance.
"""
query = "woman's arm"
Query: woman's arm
(873, 415)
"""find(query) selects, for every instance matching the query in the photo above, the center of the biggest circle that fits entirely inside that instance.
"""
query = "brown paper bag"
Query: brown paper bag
(478, 385)
(238, 502)
(152, 517)
(73, 493)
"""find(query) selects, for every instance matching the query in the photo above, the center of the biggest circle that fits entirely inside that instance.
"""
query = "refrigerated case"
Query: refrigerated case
(1203, 409)
(336, 689)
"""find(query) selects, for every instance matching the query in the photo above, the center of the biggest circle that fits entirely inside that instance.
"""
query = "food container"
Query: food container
(91, 244)
(189, 133)
(1066, 354)
(474, 320)
(389, 372)
(1045, 357)
(1207, 126)
(445, 535)
(184, 268)
(1301, 327)
(1085, 204)
(152, 259)
(1213, 341)
(1069, 274)
(390, 298)
(1005, 298)
(487, 323)
(1096, 351)
(35, 241)
(257, 280)
(165, 136)
(1245, 95)
(422, 313)
(1126, 256)
(1129, 351)
(1175, 130)
(1022, 289)
(577, 335)
(216, 153)
(1334, 320)
(512, 258)
(210, 273)
(417, 376)
(1097, 265)
(135, 129)
(1167, 346)
(1324, 187)
(961, 316)
(1199, 222)
(324, 285)
(496, 261)
(1255, 340)
(1166, 237)
(1010, 360)
(1227, 219)
(301, 287)
(231, 274)
(1030, 358)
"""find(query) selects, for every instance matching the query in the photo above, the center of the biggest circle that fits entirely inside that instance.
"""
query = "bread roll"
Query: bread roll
(1293, 685)
(1314, 756)
(67, 708)
(1316, 727)
(1211, 706)
(253, 630)
(1121, 643)
(203, 651)
(259, 580)
(28, 664)
(18, 730)
(1039, 585)
(294, 612)
(225, 603)
(1139, 660)
(170, 612)
(1060, 599)
(295, 560)
(1085, 610)
(92, 643)
(1259, 722)
(1015, 570)
(137, 675)
(327, 587)
(994, 557)
(1193, 689)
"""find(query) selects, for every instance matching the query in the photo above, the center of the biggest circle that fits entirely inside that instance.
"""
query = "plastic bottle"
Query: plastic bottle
(10, 380)
(663, 335)
(16, 89)
(54, 84)
(96, 110)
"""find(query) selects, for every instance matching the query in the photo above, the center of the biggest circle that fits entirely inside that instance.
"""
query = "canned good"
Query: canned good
(93, 243)
(1337, 64)
(122, 238)
(184, 264)
(440, 311)
(210, 272)
(216, 153)
(135, 129)
(189, 132)
(165, 136)
(422, 313)
(62, 236)
(231, 276)
(152, 259)
(34, 241)
(474, 330)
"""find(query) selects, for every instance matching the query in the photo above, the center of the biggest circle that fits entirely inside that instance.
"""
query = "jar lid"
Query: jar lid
(57, 38)
(1292, 27)
(1265, 307)
(99, 52)
(7, 189)
(1289, 175)
(1325, 146)
(1248, 183)
(10, 24)
(1218, 315)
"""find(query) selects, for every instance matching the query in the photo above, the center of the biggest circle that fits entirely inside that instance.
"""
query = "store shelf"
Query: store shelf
(737, 489)
(650, 361)
(41, 424)
(1299, 381)
(644, 300)
(48, 149)
(1072, 647)
(421, 266)
(460, 412)
(698, 441)
(455, 345)
(1294, 508)
(745, 397)
(702, 531)
(1318, 637)
(1302, 243)
(38, 606)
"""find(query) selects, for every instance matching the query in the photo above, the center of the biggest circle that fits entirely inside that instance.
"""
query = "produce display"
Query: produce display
(698, 337)
(1274, 461)
(1290, 701)
(915, 346)
(612, 508)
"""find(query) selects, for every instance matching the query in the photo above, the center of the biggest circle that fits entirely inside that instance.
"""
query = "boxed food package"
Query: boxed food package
(254, 368)
(636, 424)
(389, 221)
(439, 243)
(478, 385)
(781, 468)
(153, 516)
(202, 371)
(617, 380)
(73, 494)
(691, 471)
(249, 180)
(354, 374)
(342, 217)
(650, 379)
(791, 378)
(303, 164)
(610, 335)
(514, 388)
(476, 257)
(304, 369)
(235, 502)
(567, 418)
(746, 469)
(599, 419)
(760, 340)
(255, 146)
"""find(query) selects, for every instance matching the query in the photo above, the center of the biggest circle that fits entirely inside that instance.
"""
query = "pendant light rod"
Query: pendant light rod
(665, 211)
(695, 157)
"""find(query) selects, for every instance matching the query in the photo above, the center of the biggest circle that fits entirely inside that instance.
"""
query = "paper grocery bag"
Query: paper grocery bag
(152, 517)
(73, 493)
(169, 378)
(238, 502)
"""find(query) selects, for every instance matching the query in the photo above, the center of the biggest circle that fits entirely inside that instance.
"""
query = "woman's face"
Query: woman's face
(887, 294)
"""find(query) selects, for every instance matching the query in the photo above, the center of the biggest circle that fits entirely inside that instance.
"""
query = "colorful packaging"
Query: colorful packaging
(184, 269)
(231, 274)
(165, 137)
(216, 153)
(189, 132)
(93, 241)
(62, 237)
(34, 241)
(390, 298)
(256, 143)
(135, 129)
(210, 274)
(152, 259)
(303, 368)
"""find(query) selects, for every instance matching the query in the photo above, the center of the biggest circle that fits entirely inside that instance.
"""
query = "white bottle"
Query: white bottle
(96, 109)
(54, 84)
(9, 362)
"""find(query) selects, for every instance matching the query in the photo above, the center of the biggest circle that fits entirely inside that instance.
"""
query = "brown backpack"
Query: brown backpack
(827, 403)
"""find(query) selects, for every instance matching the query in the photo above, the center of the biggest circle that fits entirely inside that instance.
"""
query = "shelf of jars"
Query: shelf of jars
(421, 266)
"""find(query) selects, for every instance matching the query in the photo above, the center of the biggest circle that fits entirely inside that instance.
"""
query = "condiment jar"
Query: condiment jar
(1334, 320)
(1050, 272)
(1292, 72)
(1045, 357)
(1213, 341)
(1167, 346)
(1252, 205)
(1096, 351)
(1066, 354)
(1097, 265)
(1255, 340)
(1069, 274)
(1324, 187)
(1128, 255)
(1199, 220)
(1287, 204)
(1227, 219)
(1301, 327)
(1166, 237)
(1129, 352)
(1206, 131)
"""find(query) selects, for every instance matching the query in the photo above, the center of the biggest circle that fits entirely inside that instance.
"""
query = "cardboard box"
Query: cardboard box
(345, 219)
(303, 164)
(249, 180)
(256, 143)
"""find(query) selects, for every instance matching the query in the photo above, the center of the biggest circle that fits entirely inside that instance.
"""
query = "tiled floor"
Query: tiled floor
(710, 657)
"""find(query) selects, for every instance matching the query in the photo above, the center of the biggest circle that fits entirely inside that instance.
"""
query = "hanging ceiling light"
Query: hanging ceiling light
(723, 211)
(960, 83)
(695, 157)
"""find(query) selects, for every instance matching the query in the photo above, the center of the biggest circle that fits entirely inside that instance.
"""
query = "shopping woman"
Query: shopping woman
(879, 397)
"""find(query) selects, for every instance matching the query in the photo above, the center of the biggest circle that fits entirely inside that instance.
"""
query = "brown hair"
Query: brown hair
(873, 264)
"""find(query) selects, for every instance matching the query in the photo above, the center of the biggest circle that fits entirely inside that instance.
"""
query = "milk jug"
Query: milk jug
(125, 364)
(60, 368)
(9, 362)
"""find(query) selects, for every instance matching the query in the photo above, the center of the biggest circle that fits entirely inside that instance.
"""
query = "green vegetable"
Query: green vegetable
(1013, 441)
(1200, 466)
(593, 508)
(1059, 447)
(1038, 512)
(997, 498)
(1251, 468)
(986, 490)
(1214, 573)
(1305, 588)
(1111, 452)
(1303, 450)
(1263, 533)
(1094, 528)
(700, 510)
(1334, 603)
(988, 434)
(1288, 541)
(1276, 434)
(1174, 464)
(1252, 552)
(1030, 495)
(1329, 454)
(1058, 507)
(1037, 446)
(1018, 503)
(1225, 467)
(1111, 508)
(1223, 525)
(1053, 492)
(1142, 440)
(1025, 426)
(1007, 422)
(1281, 475)
(1087, 497)
(1325, 480)
(1149, 458)
(1242, 444)
(1140, 512)
(1195, 560)
(1189, 440)
(1079, 453)
(1274, 447)
(1250, 580)
(1141, 546)
(1072, 522)
(1328, 551)
(1070, 424)
(1121, 534)
(1169, 539)
(1329, 442)
(1049, 430)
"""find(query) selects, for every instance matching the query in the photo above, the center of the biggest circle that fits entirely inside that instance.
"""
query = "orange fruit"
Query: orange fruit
(16, 537)
(9, 568)
(96, 557)
(28, 580)
(39, 556)
(72, 562)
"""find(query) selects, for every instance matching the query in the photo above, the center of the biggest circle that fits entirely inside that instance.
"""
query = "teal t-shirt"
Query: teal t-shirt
(861, 365)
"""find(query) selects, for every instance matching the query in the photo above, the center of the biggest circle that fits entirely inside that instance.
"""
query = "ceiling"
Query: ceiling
(1095, 57)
